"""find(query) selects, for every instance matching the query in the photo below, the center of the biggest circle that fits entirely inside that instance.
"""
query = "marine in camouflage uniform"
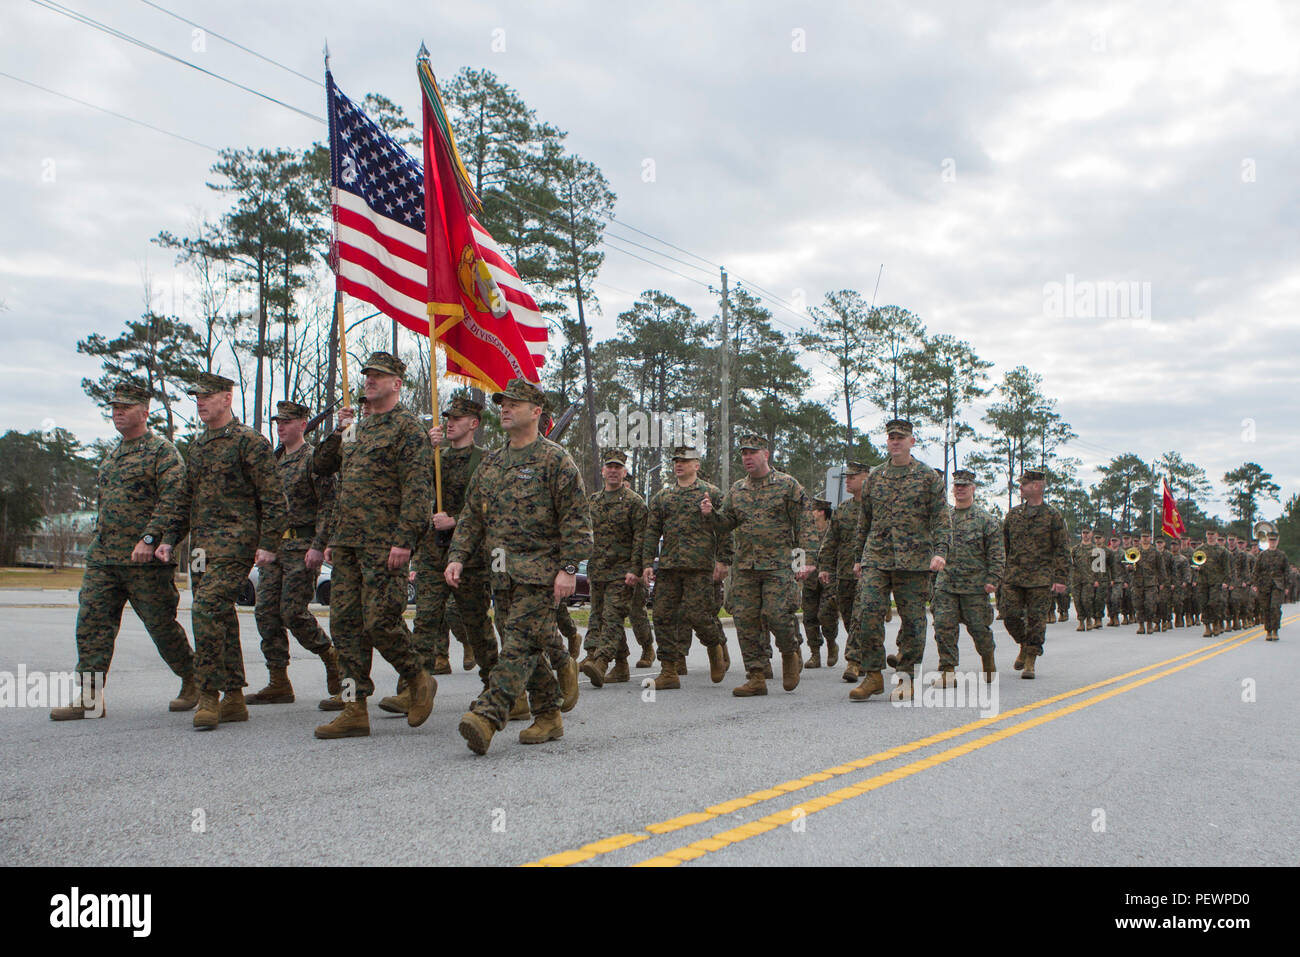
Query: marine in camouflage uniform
(1180, 579)
(1214, 576)
(1087, 569)
(438, 608)
(835, 561)
(903, 534)
(381, 516)
(1236, 581)
(976, 559)
(1164, 604)
(233, 508)
(1038, 562)
(820, 617)
(138, 486)
(691, 552)
(286, 586)
(766, 511)
(618, 519)
(1115, 573)
(1193, 601)
(1269, 585)
(1147, 575)
(1129, 592)
(527, 507)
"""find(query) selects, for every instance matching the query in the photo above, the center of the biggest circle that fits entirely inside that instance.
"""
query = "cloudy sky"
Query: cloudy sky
(992, 157)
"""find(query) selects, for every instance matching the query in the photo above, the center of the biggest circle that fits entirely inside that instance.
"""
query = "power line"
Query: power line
(71, 14)
(121, 116)
(655, 264)
(234, 43)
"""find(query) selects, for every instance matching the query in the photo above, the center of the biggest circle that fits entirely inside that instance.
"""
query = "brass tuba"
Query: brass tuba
(1262, 531)
(1199, 557)
(1132, 555)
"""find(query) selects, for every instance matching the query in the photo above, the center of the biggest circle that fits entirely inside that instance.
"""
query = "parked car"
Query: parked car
(248, 592)
(581, 588)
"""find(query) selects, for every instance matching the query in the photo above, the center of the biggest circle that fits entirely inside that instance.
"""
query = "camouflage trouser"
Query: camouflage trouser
(564, 621)
(1214, 603)
(218, 657)
(1115, 601)
(1178, 599)
(1164, 597)
(820, 617)
(283, 590)
(467, 614)
(846, 602)
(686, 630)
(762, 601)
(867, 645)
(1129, 601)
(1063, 604)
(528, 630)
(640, 620)
(611, 602)
(1147, 600)
(1089, 600)
(685, 601)
(1270, 602)
(151, 590)
(970, 609)
(1024, 612)
(557, 654)
(367, 601)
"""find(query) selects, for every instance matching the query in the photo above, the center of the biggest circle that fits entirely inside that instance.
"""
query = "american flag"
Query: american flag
(377, 197)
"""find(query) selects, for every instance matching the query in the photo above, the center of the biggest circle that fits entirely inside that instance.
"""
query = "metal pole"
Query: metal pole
(726, 390)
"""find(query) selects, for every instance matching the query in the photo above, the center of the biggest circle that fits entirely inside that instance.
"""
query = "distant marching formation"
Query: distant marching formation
(498, 550)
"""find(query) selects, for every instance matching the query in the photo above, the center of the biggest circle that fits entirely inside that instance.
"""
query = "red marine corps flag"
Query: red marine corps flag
(1172, 523)
(488, 327)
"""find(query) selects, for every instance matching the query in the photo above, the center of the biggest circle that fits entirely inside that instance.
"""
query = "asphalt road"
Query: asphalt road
(1127, 749)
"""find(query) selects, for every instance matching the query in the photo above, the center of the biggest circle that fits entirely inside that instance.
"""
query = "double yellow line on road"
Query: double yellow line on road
(786, 816)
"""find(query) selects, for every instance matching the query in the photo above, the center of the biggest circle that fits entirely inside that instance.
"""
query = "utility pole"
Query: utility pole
(726, 390)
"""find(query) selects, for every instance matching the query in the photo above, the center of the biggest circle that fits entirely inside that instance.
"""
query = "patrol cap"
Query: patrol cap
(1098, 533)
(521, 390)
(752, 441)
(685, 452)
(898, 427)
(1145, 533)
(963, 477)
(205, 383)
(462, 406)
(290, 410)
(127, 392)
(822, 503)
(1032, 475)
(855, 468)
(614, 457)
(386, 363)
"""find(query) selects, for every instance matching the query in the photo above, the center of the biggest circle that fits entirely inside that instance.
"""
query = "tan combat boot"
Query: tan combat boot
(681, 666)
(1020, 659)
(477, 731)
(399, 703)
(873, 682)
(791, 666)
(547, 726)
(832, 654)
(233, 707)
(1029, 665)
(441, 665)
(1051, 616)
(667, 677)
(1083, 625)
(814, 659)
(277, 691)
(647, 656)
(521, 711)
(422, 688)
(187, 697)
(945, 678)
(575, 646)
(354, 722)
(333, 678)
(1208, 632)
(1164, 626)
(755, 684)
(902, 688)
(717, 664)
(469, 662)
(83, 703)
(852, 671)
(208, 715)
(618, 672)
(334, 702)
(567, 677)
(989, 666)
(594, 668)
(1142, 628)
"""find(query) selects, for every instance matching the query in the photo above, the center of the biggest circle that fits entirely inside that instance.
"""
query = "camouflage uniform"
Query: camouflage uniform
(1181, 571)
(530, 504)
(1147, 575)
(1270, 578)
(1214, 574)
(139, 484)
(1089, 581)
(467, 611)
(1037, 547)
(976, 558)
(838, 556)
(618, 521)
(902, 524)
(766, 515)
(383, 503)
(285, 587)
(232, 504)
(820, 617)
(1116, 575)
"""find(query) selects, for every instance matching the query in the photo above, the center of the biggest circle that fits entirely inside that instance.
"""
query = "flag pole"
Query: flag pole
(433, 402)
(343, 349)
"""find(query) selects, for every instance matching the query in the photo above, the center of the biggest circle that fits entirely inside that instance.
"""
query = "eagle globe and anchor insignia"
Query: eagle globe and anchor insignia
(476, 282)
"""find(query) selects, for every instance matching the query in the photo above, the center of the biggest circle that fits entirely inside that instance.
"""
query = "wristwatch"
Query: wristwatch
(570, 569)
(148, 539)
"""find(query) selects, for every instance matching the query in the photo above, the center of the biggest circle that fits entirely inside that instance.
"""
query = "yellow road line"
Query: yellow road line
(785, 816)
(605, 846)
